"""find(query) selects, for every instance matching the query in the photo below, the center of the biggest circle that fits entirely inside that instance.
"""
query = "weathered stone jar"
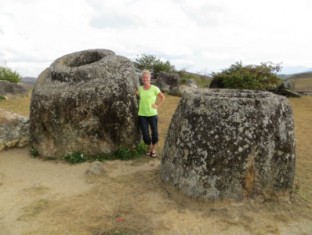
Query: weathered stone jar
(14, 130)
(84, 102)
(230, 144)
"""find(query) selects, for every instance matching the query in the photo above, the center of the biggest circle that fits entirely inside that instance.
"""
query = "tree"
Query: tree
(153, 64)
(9, 75)
(262, 77)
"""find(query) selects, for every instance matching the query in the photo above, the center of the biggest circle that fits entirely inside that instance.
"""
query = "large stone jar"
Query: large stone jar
(84, 102)
(230, 144)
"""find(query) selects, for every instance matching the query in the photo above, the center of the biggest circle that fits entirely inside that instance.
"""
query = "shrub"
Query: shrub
(34, 152)
(9, 75)
(262, 77)
(201, 80)
(75, 157)
(153, 64)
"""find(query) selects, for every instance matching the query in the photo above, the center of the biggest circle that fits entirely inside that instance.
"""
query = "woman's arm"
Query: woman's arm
(160, 100)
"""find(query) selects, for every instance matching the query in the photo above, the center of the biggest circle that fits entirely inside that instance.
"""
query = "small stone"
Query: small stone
(96, 168)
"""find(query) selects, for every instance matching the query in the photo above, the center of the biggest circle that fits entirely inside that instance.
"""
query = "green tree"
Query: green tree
(9, 75)
(154, 64)
(238, 76)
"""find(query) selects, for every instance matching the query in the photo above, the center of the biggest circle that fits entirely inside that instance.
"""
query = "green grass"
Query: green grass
(122, 153)
(34, 152)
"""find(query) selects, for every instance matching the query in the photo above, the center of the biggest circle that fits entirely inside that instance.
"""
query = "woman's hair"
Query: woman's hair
(146, 72)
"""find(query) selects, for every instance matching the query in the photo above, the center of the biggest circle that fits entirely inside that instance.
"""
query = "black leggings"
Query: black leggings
(145, 123)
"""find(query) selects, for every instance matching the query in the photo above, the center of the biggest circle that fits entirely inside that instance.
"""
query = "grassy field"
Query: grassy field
(302, 81)
(303, 84)
(148, 209)
(18, 105)
(302, 109)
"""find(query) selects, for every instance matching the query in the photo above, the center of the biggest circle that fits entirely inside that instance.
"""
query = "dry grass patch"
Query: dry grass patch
(303, 84)
(19, 104)
(165, 114)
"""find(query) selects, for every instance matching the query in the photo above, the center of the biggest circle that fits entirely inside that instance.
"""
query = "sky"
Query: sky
(201, 36)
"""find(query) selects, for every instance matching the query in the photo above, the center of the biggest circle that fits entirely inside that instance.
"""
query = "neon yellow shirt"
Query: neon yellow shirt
(147, 98)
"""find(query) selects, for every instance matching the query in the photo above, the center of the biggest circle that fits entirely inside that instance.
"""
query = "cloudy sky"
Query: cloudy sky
(201, 36)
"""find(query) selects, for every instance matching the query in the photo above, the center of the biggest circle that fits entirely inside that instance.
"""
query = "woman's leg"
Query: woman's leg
(153, 122)
(143, 123)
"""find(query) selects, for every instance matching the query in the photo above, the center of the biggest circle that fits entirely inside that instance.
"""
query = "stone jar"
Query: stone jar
(84, 102)
(230, 144)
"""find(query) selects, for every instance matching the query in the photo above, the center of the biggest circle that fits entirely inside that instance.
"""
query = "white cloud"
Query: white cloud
(201, 35)
(205, 14)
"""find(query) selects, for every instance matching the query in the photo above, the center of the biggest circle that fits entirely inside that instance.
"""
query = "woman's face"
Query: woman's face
(145, 78)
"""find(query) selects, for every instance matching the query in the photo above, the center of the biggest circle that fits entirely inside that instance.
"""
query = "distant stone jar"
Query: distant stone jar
(230, 144)
(84, 102)
(14, 130)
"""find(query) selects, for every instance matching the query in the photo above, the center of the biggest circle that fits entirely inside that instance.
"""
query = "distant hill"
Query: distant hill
(284, 76)
(301, 81)
(201, 80)
(29, 80)
(300, 75)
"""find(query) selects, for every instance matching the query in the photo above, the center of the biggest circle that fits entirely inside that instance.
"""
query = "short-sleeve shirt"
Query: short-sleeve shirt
(147, 98)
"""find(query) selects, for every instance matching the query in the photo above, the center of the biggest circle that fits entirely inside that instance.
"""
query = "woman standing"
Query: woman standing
(150, 99)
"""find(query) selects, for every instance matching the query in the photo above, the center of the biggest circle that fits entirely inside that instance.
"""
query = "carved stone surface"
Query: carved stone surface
(230, 144)
(84, 102)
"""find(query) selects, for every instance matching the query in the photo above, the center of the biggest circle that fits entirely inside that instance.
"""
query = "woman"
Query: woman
(150, 100)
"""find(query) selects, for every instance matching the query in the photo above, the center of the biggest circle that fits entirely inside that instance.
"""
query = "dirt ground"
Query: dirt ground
(53, 197)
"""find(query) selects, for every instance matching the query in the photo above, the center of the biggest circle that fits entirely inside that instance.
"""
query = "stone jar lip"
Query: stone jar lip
(75, 59)
(231, 93)
(85, 66)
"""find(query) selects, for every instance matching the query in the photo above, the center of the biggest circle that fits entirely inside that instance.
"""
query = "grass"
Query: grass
(122, 153)
(302, 109)
(34, 209)
(165, 114)
(301, 75)
(302, 81)
(19, 105)
(303, 84)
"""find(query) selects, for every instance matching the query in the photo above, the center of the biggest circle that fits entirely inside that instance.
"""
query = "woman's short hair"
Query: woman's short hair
(146, 72)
